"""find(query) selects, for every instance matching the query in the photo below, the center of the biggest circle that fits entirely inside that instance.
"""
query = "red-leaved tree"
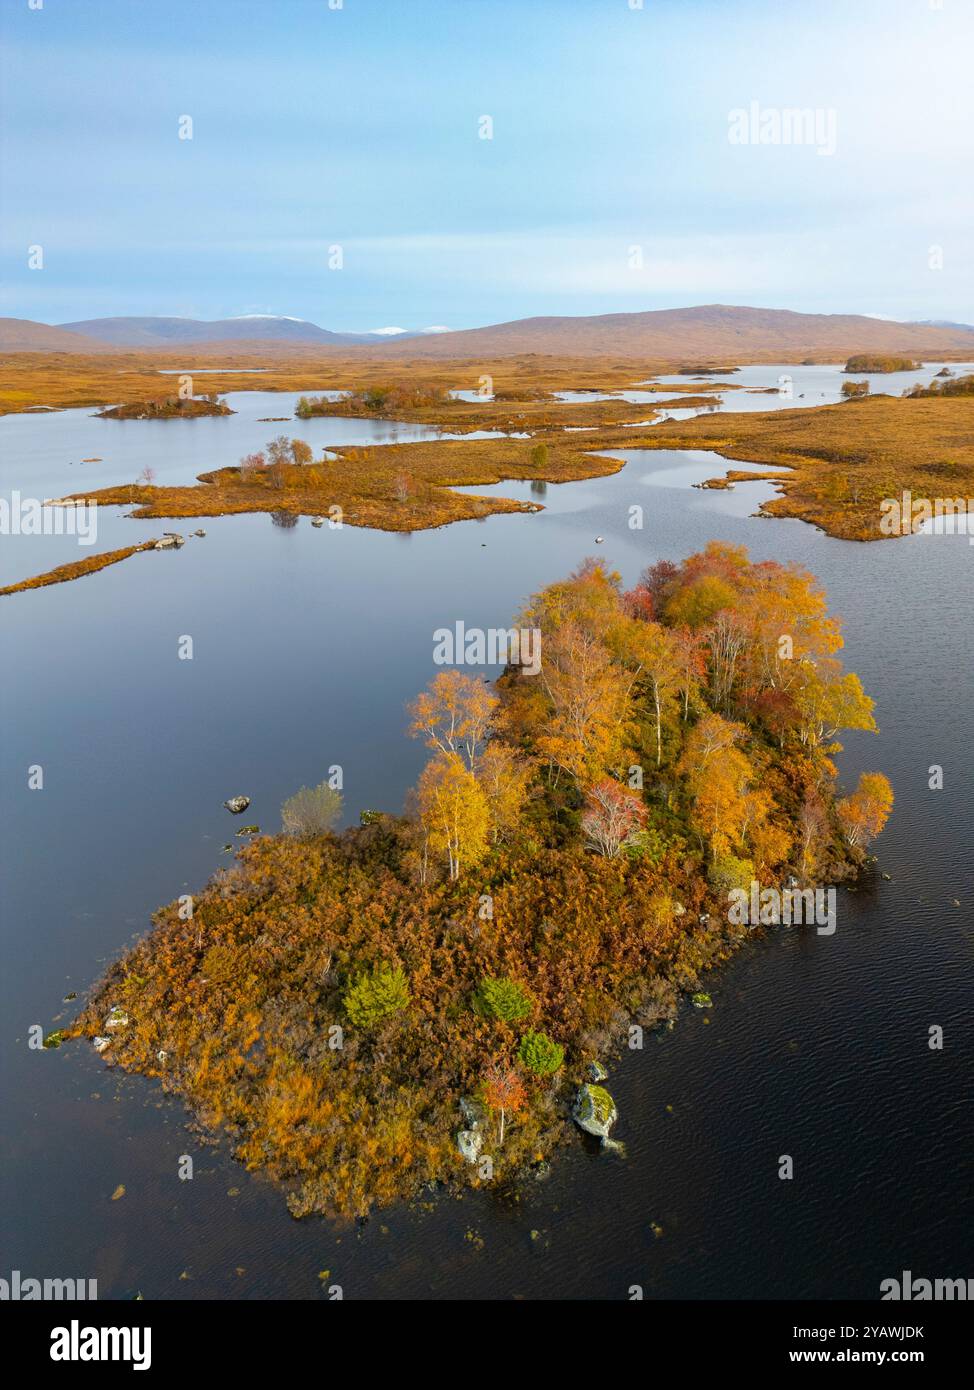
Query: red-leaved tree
(613, 817)
(504, 1093)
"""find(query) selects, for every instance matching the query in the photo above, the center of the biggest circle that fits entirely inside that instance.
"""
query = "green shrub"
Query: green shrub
(376, 994)
(540, 1054)
(649, 844)
(502, 998)
(727, 872)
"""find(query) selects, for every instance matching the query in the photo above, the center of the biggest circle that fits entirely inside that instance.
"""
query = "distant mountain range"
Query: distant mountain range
(171, 332)
(717, 333)
(710, 333)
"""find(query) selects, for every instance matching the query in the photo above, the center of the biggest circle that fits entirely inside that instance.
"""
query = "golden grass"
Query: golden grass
(61, 380)
(91, 564)
(844, 458)
(390, 487)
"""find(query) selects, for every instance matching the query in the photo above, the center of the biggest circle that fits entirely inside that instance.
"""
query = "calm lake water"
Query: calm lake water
(308, 643)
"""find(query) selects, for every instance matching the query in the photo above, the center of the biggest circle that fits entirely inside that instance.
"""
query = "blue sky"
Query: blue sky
(359, 126)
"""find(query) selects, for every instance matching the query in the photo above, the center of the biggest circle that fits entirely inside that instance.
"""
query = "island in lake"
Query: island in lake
(168, 408)
(434, 998)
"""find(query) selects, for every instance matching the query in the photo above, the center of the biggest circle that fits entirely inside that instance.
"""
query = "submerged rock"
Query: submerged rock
(237, 805)
(54, 1039)
(594, 1111)
(470, 1143)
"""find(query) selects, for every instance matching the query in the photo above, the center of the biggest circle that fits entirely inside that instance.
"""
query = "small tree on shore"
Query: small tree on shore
(866, 811)
(504, 1094)
(312, 810)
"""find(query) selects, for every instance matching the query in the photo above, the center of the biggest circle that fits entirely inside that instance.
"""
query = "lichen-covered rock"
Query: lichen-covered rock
(470, 1142)
(473, 1112)
(237, 805)
(597, 1072)
(100, 1043)
(594, 1111)
(701, 1000)
(117, 1018)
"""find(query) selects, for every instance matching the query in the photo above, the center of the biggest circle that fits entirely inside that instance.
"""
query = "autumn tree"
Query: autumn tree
(653, 655)
(813, 833)
(590, 712)
(454, 714)
(504, 775)
(696, 604)
(866, 811)
(453, 812)
(504, 1094)
(279, 450)
(827, 701)
(691, 660)
(613, 817)
(583, 725)
(301, 452)
(718, 774)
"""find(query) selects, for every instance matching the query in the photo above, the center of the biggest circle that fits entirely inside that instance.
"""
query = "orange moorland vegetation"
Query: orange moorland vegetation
(76, 569)
(845, 459)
